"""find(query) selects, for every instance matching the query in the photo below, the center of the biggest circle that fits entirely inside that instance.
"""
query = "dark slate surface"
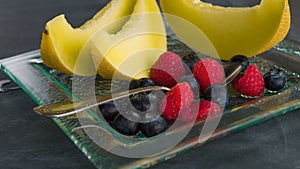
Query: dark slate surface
(31, 141)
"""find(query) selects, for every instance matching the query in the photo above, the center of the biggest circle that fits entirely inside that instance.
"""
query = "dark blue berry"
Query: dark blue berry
(190, 61)
(194, 84)
(154, 127)
(125, 126)
(217, 94)
(275, 80)
(144, 102)
(241, 59)
(143, 82)
(108, 111)
(150, 116)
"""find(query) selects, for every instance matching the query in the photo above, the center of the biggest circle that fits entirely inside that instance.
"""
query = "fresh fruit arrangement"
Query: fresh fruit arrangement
(193, 97)
(127, 40)
(125, 30)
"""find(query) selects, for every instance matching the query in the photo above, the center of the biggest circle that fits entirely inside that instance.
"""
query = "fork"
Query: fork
(66, 109)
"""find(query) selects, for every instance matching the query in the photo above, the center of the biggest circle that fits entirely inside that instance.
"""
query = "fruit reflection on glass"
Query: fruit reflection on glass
(127, 40)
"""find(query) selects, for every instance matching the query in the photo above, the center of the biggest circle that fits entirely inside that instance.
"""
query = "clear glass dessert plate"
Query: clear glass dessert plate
(47, 86)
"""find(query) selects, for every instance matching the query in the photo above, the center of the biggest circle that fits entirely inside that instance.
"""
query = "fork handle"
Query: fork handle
(66, 109)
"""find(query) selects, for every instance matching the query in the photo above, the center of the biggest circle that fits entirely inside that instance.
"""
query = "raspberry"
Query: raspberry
(208, 71)
(235, 81)
(251, 83)
(180, 97)
(201, 110)
(190, 114)
(206, 107)
(167, 70)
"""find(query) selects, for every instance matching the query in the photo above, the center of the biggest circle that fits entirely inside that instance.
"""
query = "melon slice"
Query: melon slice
(130, 53)
(233, 30)
(62, 44)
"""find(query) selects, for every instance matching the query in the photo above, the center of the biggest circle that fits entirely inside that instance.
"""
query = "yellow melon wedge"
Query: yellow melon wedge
(234, 30)
(62, 44)
(130, 53)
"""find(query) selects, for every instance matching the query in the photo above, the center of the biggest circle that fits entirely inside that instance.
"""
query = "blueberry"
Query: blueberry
(108, 111)
(274, 80)
(154, 127)
(125, 126)
(132, 115)
(150, 116)
(242, 59)
(193, 82)
(144, 102)
(217, 94)
(190, 61)
(143, 82)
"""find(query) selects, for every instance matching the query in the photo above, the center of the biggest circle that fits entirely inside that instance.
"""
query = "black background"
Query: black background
(30, 141)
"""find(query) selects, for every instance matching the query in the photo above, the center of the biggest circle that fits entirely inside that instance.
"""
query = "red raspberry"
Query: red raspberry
(235, 81)
(208, 71)
(180, 97)
(251, 83)
(190, 114)
(207, 107)
(201, 110)
(167, 70)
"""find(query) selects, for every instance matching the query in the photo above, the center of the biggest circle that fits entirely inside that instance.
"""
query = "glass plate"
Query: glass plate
(45, 86)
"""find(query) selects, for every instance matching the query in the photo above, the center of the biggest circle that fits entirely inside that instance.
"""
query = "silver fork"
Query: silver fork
(66, 109)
